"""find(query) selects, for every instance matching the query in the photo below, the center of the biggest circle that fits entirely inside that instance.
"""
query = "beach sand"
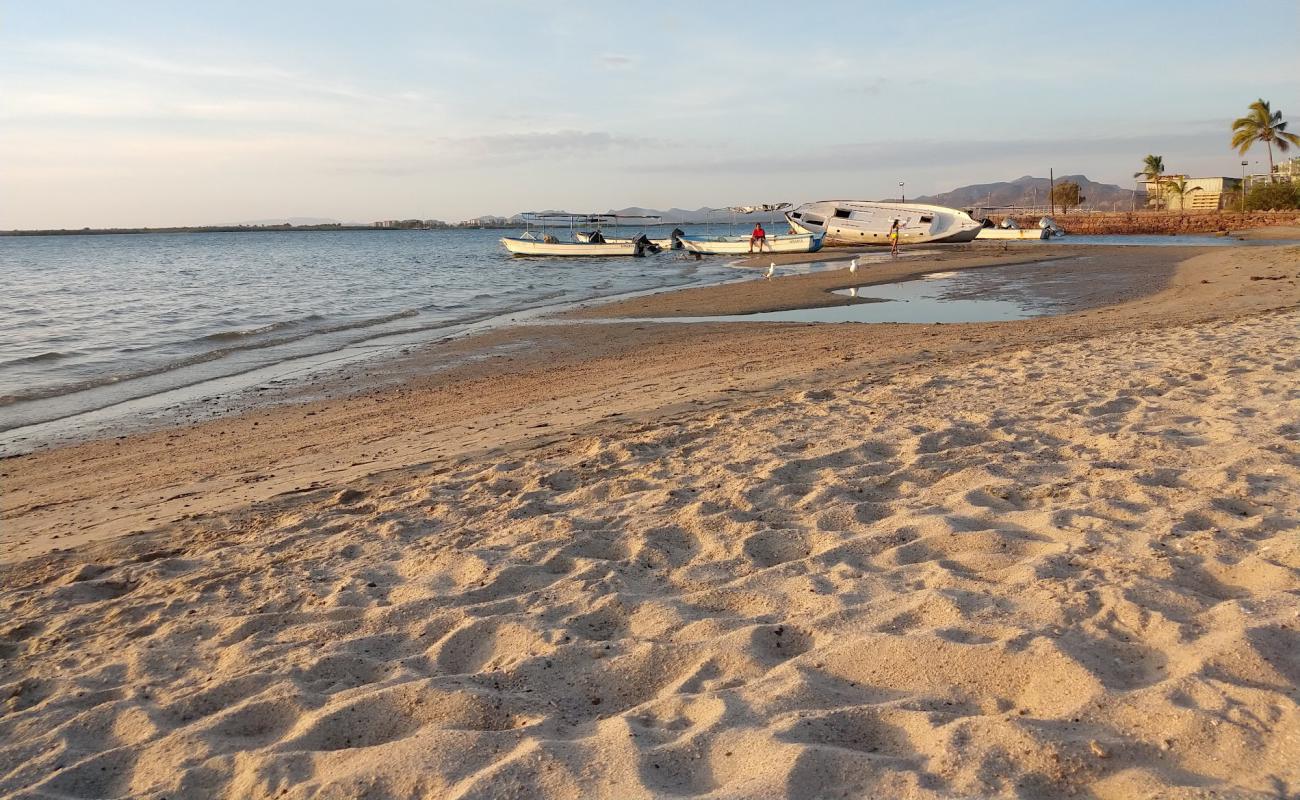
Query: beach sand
(1032, 559)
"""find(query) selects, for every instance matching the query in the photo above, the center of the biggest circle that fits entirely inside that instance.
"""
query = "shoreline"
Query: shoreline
(203, 397)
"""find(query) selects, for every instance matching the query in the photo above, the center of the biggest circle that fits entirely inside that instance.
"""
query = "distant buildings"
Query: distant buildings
(1202, 194)
(488, 221)
(434, 224)
(1287, 171)
(410, 224)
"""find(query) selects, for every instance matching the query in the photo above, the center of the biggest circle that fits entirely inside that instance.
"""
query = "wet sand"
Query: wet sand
(1035, 558)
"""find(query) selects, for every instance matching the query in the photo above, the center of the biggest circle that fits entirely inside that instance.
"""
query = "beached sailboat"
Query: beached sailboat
(850, 222)
(740, 245)
(591, 244)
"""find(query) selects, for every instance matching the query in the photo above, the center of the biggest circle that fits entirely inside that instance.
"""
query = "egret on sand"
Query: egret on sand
(853, 265)
(771, 270)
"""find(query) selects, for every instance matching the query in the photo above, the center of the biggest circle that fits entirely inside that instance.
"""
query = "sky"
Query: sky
(135, 113)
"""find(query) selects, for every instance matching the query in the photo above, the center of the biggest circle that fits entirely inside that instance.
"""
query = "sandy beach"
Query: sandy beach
(1042, 558)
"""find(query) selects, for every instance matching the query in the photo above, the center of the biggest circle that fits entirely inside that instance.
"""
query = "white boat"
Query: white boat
(740, 245)
(1012, 233)
(1008, 229)
(592, 243)
(550, 246)
(850, 222)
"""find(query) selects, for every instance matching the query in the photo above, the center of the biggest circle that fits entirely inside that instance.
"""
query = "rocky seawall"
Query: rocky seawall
(1157, 222)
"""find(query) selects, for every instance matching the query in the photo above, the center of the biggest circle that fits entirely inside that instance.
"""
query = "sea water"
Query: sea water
(89, 321)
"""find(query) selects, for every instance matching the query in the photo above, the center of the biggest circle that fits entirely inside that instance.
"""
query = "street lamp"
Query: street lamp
(902, 192)
(1243, 186)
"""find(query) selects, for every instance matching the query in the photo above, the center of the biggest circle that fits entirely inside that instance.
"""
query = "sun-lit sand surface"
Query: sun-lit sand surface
(1033, 559)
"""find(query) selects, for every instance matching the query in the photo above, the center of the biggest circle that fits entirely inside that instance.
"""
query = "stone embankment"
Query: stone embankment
(1158, 222)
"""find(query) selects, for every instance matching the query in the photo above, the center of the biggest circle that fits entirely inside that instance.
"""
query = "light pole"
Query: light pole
(1243, 186)
(902, 192)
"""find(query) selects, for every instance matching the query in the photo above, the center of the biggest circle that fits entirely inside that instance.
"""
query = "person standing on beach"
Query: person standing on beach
(759, 236)
(893, 238)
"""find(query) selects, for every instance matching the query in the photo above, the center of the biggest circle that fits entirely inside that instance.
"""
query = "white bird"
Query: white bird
(853, 265)
(853, 291)
(771, 270)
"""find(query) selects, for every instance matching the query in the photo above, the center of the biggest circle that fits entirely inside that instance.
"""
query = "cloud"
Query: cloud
(109, 59)
(932, 154)
(615, 61)
(545, 143)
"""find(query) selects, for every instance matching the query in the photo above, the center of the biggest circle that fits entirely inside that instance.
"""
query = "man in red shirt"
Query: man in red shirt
(759, 236)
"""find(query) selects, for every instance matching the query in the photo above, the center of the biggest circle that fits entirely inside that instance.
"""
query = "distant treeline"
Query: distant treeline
(202, 229)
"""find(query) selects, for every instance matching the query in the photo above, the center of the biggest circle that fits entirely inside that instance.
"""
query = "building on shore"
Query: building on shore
(1202, 194)
(1286, 172)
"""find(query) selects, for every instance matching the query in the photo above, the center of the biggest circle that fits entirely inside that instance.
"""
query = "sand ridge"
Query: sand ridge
(1066, 570)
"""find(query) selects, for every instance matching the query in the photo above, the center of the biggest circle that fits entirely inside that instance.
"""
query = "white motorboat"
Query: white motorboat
(590, 244)
(550, 246)
(850, 222)
(1008, 229)
(740, 245)
(1012, 233)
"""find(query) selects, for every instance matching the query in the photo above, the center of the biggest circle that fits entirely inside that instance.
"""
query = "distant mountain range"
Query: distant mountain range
(1023, 191)
(1031, 191)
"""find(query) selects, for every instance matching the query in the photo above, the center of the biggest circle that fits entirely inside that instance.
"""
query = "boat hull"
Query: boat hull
(857, 222)
(535, 247)
(739, 245)
(1013, 233)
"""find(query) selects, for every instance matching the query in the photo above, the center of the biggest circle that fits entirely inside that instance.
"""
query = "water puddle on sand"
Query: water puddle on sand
(931, 298)
(1030, 289)
(995, 294)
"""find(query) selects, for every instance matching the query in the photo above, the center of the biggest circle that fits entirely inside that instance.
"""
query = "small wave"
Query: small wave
(45, 392)
(43, 358)
(234, 336)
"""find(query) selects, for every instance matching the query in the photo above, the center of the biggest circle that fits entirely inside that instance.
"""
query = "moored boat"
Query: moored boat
(550, 246)
(740, 245)
(590, 244)
(1008, 229)
(1012, 233)
(854, 222)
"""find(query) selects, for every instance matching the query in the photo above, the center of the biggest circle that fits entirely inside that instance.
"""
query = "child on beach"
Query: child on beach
(893, 238)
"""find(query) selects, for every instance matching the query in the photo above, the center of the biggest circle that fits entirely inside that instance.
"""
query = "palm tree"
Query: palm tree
(1262, 125)
(1152, 168)
(1182, 191)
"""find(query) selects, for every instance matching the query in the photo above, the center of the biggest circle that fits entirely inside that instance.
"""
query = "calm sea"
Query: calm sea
(89, 322)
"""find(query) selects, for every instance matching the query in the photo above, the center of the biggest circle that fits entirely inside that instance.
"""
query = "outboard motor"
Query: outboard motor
(676, 238)
(643, 246)
(1048, 224)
